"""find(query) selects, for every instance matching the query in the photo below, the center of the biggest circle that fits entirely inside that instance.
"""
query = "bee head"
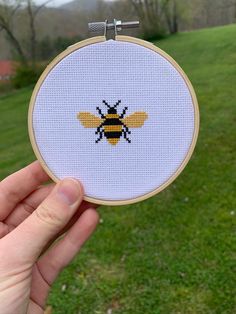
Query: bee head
(112, 110)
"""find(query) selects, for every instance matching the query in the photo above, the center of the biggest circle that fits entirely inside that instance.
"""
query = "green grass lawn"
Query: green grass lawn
(173, 253)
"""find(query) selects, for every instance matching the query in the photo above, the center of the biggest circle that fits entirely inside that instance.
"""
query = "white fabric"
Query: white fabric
(144, 81)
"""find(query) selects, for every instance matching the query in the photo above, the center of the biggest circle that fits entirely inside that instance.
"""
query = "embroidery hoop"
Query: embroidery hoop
(122, 38)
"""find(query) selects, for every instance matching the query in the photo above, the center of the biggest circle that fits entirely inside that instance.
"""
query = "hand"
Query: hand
(32, 217)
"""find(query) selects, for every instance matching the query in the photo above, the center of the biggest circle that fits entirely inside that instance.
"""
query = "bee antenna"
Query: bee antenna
(117, 104)
(106, 104)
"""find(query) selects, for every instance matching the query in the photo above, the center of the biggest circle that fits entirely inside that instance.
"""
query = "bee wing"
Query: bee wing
(88, 120)
(135, 120)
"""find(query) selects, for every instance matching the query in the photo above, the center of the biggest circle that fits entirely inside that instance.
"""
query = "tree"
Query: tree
(157, 15)
(33, 11)
(171, 12)
(231, 4)
(8, 10)
(150, 13)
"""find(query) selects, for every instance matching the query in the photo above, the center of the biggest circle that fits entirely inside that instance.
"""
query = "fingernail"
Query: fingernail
(69, 191)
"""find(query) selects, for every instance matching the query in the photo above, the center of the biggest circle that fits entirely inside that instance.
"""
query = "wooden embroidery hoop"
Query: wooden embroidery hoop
(147, 45)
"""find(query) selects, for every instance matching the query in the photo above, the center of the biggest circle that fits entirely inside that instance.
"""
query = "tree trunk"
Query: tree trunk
(15, 44)
(32, 33)
(175, 27)
(172, 16)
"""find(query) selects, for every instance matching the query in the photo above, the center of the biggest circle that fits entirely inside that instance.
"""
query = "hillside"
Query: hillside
(173, 253)
(80, 5)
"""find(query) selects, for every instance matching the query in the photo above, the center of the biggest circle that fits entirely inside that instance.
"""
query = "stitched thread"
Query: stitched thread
(112, 125)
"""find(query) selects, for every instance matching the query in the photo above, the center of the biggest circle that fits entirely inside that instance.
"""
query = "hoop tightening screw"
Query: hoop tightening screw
(117, 26)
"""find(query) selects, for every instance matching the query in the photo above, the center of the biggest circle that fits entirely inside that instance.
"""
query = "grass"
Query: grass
(173, 253)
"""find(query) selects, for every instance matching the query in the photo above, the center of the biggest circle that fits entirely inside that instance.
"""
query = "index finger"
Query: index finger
(19, 185)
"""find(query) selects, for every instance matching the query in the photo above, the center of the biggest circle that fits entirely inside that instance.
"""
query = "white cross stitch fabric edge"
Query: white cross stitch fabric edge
(143, 81)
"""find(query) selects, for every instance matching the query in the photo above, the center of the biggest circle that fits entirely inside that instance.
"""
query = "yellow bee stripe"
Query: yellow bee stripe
(113, 141)
(112, 128)
(112, 116)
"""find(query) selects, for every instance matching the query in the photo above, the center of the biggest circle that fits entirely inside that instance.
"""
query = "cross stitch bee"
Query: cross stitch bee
(112, 125)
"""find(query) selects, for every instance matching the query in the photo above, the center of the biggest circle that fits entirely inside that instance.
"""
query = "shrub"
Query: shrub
(26, 75)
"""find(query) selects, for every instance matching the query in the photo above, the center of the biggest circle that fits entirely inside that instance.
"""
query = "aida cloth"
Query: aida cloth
(144, 157)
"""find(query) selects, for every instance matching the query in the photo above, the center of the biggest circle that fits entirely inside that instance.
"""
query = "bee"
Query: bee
(112, 125)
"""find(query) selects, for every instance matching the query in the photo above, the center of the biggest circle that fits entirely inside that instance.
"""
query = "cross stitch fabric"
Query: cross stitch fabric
(135, 77)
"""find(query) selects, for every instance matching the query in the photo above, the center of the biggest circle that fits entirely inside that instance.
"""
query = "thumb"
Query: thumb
(30, 237)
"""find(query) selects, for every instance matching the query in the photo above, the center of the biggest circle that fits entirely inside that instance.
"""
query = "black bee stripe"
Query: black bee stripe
(112, 121)
(113, 134)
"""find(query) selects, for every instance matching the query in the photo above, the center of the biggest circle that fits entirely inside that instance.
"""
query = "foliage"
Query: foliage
(159, 17)
(173, 253)
(50, 47)
(150, 13)
(26, 75)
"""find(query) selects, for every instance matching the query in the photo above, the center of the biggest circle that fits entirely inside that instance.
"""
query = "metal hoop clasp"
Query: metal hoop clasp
(116, 26)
